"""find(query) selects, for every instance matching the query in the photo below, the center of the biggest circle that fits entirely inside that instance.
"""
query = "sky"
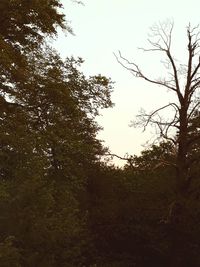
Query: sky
(103, 27)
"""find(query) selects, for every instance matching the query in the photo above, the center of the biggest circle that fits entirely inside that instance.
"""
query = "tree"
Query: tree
(24, 27)
(184, 82)
(48, 146)
(48, 140)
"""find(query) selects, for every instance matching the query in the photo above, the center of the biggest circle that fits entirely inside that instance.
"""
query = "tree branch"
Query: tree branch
(135, 70)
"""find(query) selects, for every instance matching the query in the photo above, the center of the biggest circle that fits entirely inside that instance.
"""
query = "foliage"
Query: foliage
(129, 213)
(60, 204)
(48, 141)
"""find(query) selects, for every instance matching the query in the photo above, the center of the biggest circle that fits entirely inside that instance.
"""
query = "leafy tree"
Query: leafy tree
(51, 127)
(24, 26)
(48, 141)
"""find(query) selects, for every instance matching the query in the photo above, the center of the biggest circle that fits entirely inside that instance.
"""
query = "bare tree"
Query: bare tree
(184, 81)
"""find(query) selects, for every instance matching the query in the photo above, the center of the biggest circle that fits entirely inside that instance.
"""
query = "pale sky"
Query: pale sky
(102, 27)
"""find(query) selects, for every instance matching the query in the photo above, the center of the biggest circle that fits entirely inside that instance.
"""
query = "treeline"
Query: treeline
(60, 205)
(130, 212)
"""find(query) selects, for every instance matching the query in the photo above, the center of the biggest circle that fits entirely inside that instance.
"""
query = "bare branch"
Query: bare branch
(193, 110)
(175, 75)
(136, 71)
(117, 156)
(150, 116)
(193, 87)
(127, 158)
(195, 70)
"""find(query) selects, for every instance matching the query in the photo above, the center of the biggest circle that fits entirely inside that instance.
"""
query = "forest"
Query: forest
(62, 202)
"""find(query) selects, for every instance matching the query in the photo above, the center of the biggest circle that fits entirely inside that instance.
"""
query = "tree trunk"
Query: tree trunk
(178, 212)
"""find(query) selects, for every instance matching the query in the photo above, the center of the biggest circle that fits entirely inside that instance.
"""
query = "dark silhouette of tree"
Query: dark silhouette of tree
(48, 140)
(24, 27)
(183, 80)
